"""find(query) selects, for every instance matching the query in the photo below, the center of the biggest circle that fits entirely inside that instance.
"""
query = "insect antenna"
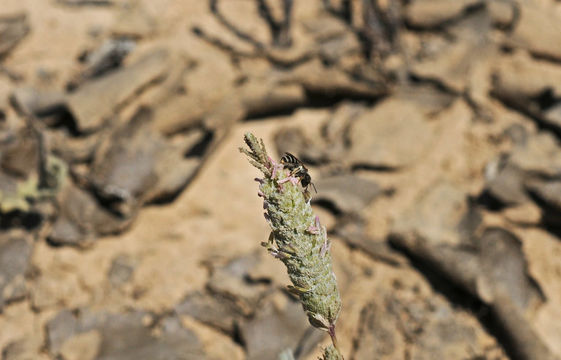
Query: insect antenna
(311, 183)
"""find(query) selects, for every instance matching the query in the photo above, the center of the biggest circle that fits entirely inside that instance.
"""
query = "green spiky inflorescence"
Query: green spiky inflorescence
(331, 353)
(298, 240)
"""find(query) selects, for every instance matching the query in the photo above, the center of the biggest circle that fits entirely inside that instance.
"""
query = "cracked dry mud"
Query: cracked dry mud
(130, 227)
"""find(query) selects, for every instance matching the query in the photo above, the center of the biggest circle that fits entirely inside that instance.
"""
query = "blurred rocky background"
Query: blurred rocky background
(130, 224)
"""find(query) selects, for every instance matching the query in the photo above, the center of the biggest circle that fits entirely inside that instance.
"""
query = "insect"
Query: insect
(298, 170)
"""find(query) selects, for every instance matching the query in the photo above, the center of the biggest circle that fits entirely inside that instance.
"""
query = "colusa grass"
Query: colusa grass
(299, 240)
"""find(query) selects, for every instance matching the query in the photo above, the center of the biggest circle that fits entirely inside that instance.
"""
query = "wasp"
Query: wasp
(297, 169)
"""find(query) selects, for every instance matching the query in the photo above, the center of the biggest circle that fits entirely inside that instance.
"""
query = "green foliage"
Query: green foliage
(30, 191)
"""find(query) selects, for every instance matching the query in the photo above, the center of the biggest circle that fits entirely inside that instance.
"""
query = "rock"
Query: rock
(37, 102)
(505, 182)
(209, 62)
(435, 217)
(212, 310)
(527, 214)
(404, 322)
(274, 329)
(108, 56)
(391, 135)
(81, 219)
(121, 333)
(15, 256)
(453, 65)
(504, 265)
(542, 249)
(191, 142)
(548, 196)
(133, 21)
(540, 156)
(178, 114)
(239, 26)
(232, 295)
(175, 343)
(231, 282)
(452, 68)
(446, 338)
(338, 124)
(20, 154)
(181, 343)
(84, 346)
(57, 288)
(331, 50)
(5, 90)
(271, 272)
(324, 27)
(519, 75)
(518, 134)
(380, 335)
(121, 336)
(8, 186)
(215, 31)
(13, 28)
(135, 164)
(538, 29)
(175, 173)
(23, 349)
(346, 193)
(502, 12)
(291, 139)
(449, 68)
(75, 149)
(124, 165)
(433, 13)
(511, 179)
(429, 99)
(494, 270)
(63, 326)
(96, 101)
(352, 229)
(335, 132)
(260, 98)
(85, 2)
(548, 192)
(552, 116)
(228, 111)
(131, 166)
(121, 270)
(330, 82)
(187, 99)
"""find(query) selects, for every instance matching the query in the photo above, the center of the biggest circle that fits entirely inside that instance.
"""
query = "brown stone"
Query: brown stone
(431, 13)
(538, 29)
(392, 135)
(96, 101)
